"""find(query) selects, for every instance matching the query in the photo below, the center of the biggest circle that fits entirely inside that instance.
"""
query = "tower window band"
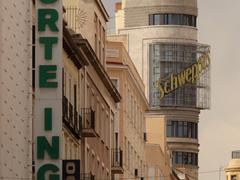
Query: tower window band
(184, 158)
(182, 129)
(173, 19)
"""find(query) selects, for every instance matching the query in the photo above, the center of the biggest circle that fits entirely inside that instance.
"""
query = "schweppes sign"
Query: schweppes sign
(189, 75)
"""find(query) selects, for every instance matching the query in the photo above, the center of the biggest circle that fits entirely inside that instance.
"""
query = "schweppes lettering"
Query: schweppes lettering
(189, 75)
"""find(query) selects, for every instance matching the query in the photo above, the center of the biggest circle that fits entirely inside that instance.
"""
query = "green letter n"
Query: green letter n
(43, 145)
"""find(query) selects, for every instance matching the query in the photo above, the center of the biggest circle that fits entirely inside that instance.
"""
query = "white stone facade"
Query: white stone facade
(15, 90)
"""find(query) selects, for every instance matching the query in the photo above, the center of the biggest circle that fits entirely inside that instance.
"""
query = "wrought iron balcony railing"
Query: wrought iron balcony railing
(88, 122)
(71, 118)
(117, 161)
(71, 114)
(65, 107)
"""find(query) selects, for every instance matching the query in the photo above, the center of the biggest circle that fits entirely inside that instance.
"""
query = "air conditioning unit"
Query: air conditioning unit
(136, 172)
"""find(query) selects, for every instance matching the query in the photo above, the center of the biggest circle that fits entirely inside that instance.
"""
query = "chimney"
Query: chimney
(118, 6)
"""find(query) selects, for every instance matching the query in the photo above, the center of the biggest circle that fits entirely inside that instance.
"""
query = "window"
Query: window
(126, 151)
(75, 96)
(185, 158)
(95, 20)
(97, 117)
(156, 19)
(236, 155)
(172, 19)
(180, 158)
(99, 41)
(182, 129)
(169, 129)
(151, 19)
(103, 55)
(185, 129)
(63, 82)
(167, 59)
(115, 83)
(70, 90)
(233, 177)
(96, 31)
(151, 173)
(104, 36)
(96, 44)
(100, 51)
(128, 157)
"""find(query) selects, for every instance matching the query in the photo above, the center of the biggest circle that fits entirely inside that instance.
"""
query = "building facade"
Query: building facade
(15, 90)
(88, 96)
(130, 131)
(87, 100)
(90, 90)
(161, 39)
(233, 169)
(107, 139)
(158, 168)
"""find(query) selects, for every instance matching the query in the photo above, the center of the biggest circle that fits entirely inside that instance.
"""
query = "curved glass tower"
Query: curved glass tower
(161, 38)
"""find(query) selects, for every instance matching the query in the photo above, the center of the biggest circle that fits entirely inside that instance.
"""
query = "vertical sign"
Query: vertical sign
(48, 90)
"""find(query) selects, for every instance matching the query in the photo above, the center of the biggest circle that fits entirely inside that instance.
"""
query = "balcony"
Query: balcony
(117, 161)
(71, 118)
(87, 176)
(88, 122)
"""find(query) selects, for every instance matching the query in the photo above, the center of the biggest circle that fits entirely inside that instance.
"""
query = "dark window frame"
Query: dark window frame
(172, 19)
(184, 158)
(182, 129)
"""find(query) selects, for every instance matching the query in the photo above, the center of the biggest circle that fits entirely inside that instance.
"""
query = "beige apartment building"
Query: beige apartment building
(96, 95)
(233, 169)
(130, 131)
(89, 97)
(88, 18)
(161, 39)
(107, 136)
(158, 163)
(89, 111)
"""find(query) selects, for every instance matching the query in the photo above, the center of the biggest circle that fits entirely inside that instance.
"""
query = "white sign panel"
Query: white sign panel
(48, 90)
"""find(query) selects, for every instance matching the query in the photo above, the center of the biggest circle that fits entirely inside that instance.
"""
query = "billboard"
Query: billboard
(179, 75)
(48, 91)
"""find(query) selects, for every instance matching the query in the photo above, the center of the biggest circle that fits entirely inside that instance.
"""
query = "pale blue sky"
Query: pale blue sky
(219, 128)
